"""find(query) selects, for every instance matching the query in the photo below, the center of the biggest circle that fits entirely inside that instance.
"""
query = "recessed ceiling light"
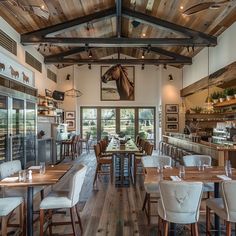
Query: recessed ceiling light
(181, 7)
(144, 34)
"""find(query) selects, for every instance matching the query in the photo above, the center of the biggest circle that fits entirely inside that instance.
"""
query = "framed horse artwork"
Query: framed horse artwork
(117, 83)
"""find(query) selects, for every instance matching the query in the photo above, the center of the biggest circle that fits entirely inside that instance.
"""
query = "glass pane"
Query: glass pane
(30, 132)
(146, 123)
(18, 130)
(89, 126)
(127, 122)
(3, 128)
(89, 113)
(108, 122)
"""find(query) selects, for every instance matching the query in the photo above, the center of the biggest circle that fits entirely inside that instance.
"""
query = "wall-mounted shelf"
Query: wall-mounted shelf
(226, 103)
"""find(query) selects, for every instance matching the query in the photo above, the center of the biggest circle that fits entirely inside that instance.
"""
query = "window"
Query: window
(146, 123)
(107, 121)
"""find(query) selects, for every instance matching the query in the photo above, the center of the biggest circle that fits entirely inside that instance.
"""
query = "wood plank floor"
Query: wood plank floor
(107, 210)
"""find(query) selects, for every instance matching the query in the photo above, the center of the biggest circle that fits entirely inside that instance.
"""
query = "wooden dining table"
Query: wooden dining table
(51, 176)
(192, 174)
(121, 151)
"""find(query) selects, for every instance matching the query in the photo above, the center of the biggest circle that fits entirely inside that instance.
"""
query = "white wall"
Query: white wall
(220, 56)
(41, 80)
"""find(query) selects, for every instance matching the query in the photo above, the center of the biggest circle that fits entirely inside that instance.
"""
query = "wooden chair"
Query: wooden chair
(7, 206)
(68, 200)
(148, 149)
(102, 161)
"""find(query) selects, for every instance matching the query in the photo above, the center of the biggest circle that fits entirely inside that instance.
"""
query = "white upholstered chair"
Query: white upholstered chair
(180, 203)
(224, 207)
(195, 160)
(152, 188)
(7, 206)
(68, 200)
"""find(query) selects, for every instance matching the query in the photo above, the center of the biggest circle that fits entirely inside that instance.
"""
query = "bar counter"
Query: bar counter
(219, 153)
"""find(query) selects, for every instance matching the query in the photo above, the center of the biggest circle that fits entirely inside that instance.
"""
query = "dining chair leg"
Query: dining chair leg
(4, 225)
(22, 218)
(159, 227)
(166, 228)
(73, 221)
(149, 208)
(208, 221)
(79, 219)
(135, 171)
(96, 173)
(111, 171)
(144, 202)
(50, 224)
(228, 228)
(195, 229)
(41, 221)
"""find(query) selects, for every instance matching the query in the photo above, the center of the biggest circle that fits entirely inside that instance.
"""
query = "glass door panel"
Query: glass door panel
(127, 124)
(3, 128)
(30, 133)
(108, 122)
(18, 130)
(89, 122)
(146, 123)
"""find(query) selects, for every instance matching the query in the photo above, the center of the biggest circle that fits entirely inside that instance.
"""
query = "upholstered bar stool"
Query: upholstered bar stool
(66, 200)
(7, 206)
(179, 204)
(224, 207)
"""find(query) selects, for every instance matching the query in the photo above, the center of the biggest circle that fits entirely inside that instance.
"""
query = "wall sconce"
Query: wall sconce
(170, 77)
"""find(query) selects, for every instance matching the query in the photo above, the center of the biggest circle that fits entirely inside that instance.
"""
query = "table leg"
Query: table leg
(30, 211)
(217, 219)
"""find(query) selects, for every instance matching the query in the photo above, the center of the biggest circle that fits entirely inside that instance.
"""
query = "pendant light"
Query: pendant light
(182, 106)
(74, 93)
(208, 101)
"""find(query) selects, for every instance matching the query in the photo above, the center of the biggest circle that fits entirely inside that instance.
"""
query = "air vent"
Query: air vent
(8, 43)
(51, 75)
(32, 61)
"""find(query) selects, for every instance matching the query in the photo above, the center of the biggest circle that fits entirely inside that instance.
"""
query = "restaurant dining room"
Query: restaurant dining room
(117, 117)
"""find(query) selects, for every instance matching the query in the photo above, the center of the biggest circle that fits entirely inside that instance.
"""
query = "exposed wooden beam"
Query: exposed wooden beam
(220, 78)
(70, 24)
(164, 52)
(118, 18)
(114, 61)
(212, 41)
(115, 42)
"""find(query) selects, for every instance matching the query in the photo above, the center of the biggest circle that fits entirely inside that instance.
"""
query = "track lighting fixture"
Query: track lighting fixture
(148, 48)
(143, 55)
(68, 77)
(90, 54)
(89, 66)
(142, 68)
(165, 66)
(170, 77)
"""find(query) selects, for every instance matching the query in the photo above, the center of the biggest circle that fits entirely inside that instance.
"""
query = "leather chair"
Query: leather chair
(68, 200)
(179, 204)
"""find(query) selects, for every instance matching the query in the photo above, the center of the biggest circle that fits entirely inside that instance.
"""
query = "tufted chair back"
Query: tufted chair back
(76, 185)
(194, 160)
(9, 168)
(180, 201)
(228, 194)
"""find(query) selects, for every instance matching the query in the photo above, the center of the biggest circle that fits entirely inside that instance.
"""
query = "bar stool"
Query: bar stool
(67, 147)
(85, 141)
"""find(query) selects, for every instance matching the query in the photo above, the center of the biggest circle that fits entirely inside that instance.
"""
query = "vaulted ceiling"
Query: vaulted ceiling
(84, 31)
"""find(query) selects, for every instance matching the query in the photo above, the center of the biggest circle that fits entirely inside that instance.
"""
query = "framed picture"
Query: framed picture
(117, 83)
(174, 127)
(172, 117)
(172, 108)
(71, 124)
(70, 115)
(48, 93)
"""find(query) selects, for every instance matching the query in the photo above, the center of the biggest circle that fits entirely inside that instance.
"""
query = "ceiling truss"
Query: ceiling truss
(190, 38)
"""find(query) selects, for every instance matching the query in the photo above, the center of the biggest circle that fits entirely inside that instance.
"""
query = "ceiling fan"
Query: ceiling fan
(204, 6)
(39, 10)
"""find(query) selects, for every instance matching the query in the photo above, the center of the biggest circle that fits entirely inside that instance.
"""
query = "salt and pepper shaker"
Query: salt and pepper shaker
(30, 174)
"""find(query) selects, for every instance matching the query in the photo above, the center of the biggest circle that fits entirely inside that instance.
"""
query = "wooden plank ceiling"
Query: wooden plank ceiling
(210, 22)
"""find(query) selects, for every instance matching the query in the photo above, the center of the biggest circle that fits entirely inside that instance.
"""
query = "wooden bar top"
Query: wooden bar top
(52, 175)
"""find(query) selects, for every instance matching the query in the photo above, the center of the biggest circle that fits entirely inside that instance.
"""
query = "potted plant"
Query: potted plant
(215, 96)
(229, 92)
(196, 109)
(222, 96)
